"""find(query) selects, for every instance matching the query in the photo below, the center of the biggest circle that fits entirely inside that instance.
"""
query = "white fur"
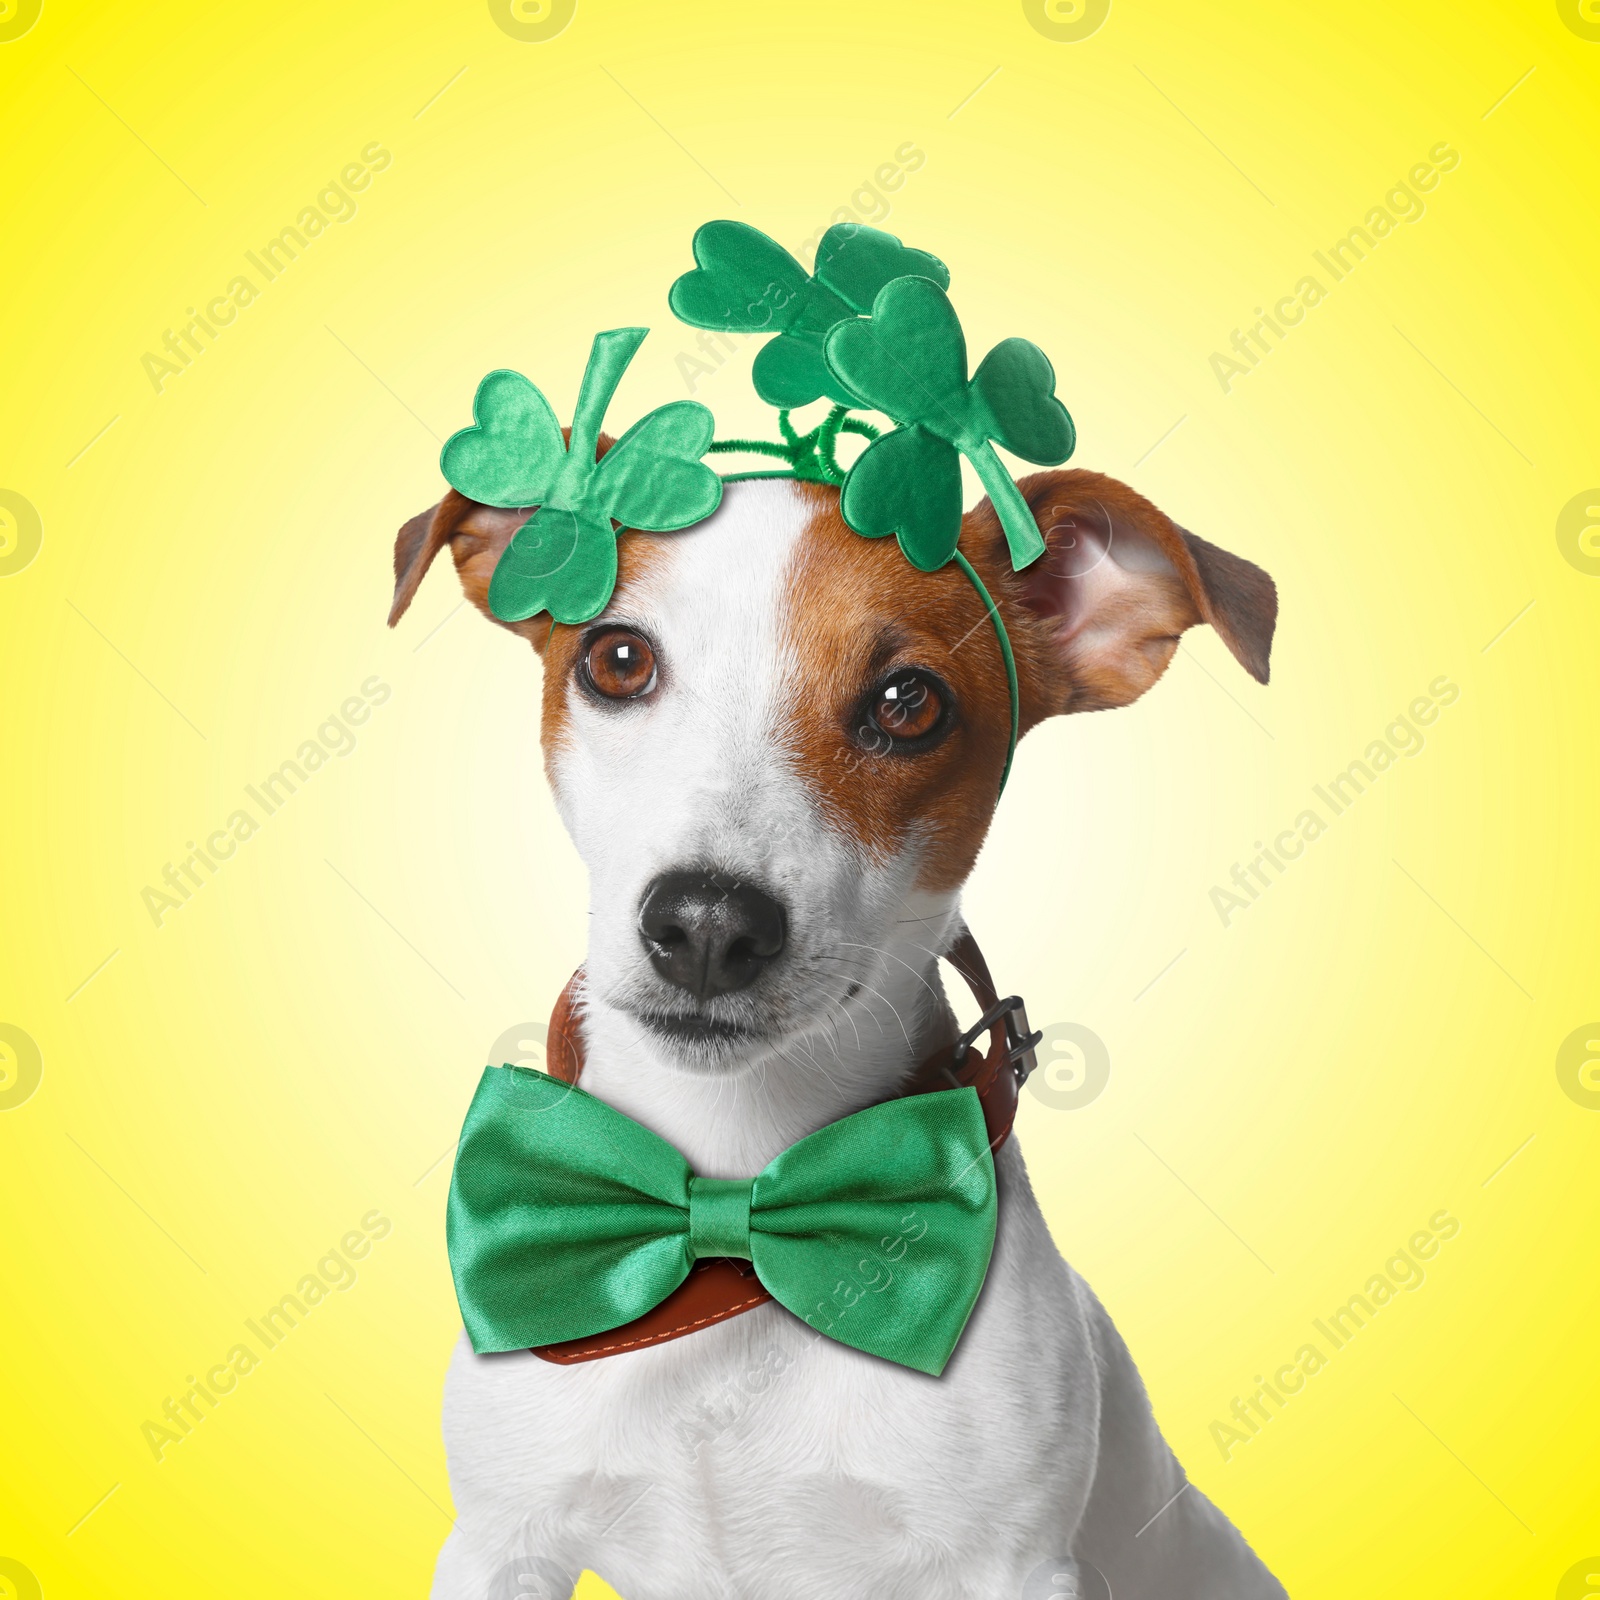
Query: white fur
(756, 1459)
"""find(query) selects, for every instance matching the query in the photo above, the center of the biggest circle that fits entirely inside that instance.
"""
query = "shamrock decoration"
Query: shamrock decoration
(870, 326)
(910, 361)
(563, 559)
(745, 282)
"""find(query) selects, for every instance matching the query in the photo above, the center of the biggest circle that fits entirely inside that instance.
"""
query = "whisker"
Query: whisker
(844, 1011)
(893, 957)
(856, 978)
(937, 956)
(895, 1014)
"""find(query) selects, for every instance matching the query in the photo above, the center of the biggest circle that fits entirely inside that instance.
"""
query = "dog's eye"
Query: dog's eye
(907, 707)
(620, 664)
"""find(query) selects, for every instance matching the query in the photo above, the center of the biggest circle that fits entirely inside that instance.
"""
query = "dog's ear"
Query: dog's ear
(1117, 585)
(477, 536)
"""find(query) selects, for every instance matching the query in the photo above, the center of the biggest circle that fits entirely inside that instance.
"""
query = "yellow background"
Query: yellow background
(1368, 1043)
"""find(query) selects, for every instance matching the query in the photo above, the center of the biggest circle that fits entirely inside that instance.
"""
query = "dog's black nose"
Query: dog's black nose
(708, 933)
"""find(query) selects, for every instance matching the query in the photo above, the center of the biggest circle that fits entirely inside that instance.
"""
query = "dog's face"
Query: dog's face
(779, 747)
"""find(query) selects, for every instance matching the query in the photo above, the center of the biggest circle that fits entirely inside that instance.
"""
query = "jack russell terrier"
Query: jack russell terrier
(776, 751)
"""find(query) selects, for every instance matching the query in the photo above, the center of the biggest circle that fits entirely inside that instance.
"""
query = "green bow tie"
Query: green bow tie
(568, 1219)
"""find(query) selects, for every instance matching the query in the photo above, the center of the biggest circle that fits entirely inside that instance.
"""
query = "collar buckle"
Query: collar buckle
(1021, 1040)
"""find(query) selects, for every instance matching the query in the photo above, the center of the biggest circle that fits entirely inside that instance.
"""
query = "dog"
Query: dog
(794, 738)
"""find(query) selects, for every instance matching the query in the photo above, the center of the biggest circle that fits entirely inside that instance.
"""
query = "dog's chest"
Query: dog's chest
(757, 1457)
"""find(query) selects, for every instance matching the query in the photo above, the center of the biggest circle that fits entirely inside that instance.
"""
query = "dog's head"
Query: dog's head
(779, 747)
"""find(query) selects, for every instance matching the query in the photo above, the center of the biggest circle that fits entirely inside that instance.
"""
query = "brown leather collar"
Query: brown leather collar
(717, 1290)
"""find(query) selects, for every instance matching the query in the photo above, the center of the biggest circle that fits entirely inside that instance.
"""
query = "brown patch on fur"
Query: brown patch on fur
(857, 610)
(1092, 624)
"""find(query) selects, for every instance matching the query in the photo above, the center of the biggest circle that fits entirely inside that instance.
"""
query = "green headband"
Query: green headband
(869, 328)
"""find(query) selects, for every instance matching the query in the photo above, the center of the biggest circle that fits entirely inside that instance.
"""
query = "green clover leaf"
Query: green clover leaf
(744, 282)
(563, 559)
(513, 454)
(905, 484)
(910, 361)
